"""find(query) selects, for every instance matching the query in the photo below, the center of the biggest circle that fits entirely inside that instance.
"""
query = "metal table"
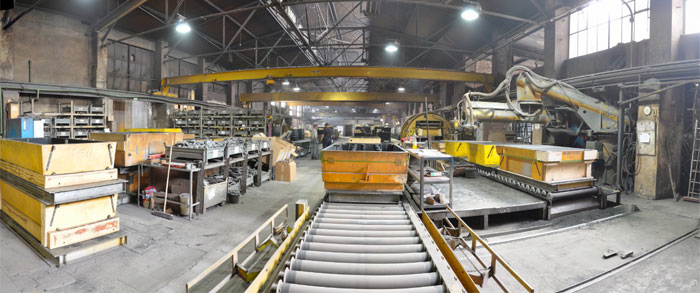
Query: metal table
(424, 156)
(190, 202)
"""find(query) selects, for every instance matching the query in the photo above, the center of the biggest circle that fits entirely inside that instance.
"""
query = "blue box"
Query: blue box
(20, 128)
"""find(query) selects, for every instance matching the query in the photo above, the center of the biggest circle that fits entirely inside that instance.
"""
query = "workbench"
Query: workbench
(212, 158)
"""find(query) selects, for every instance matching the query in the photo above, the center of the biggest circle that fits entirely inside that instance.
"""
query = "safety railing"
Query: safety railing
(486, 271)
(257, 279)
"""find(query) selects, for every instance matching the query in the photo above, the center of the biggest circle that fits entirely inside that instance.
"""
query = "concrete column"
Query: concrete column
(99, 61)
(443, 93)
(556, 41)
(663, 151)
(502, 59)
(161, 119)
(7, 59)
(201, 91)
(457, 93)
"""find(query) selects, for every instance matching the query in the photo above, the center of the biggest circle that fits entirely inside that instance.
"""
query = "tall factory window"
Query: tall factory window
(605, 23)
(692, 22)
(129, 68)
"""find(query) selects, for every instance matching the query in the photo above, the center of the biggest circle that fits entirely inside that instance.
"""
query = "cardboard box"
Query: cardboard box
(12, 110)
(286, 171)
(281, 149)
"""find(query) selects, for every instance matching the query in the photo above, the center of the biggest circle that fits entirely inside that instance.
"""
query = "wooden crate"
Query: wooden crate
(60, 225)
(135, 147)
(52, 181)
(547, 163)
(52, 156)
(364, 170)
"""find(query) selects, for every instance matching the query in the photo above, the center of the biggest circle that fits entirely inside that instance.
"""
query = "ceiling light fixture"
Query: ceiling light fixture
(401, 89)
(285, 82)
(296, 88)
(471, 13)
(182, 26)
(392, 47)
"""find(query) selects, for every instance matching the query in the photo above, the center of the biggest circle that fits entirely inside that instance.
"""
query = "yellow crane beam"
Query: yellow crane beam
(338, 97)
(331, 71)
(390, 106)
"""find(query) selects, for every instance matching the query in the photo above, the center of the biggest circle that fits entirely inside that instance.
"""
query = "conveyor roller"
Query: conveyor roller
(364, 248)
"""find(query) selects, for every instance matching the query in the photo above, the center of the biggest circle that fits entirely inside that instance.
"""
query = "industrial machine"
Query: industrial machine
(569, 116)
(559, 106)
(423, 126)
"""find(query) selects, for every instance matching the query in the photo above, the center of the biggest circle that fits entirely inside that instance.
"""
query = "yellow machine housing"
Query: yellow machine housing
(436, 127)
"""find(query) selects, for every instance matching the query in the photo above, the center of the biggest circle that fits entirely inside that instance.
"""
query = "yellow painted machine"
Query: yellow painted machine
(559, 106)
(436, 127)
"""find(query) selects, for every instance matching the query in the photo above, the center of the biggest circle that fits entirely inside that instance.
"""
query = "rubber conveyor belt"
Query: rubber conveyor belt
(365, 248)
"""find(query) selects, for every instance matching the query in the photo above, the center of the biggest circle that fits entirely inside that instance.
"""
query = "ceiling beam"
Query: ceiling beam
(117, 14)
(339, 97)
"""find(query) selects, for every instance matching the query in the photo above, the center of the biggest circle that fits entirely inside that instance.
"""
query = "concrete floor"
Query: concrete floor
(161, 255)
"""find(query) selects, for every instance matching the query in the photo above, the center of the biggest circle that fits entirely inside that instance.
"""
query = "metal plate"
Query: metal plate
(66, 194)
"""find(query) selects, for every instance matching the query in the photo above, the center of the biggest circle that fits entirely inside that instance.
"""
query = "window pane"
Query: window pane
(626, 33)
(641, 5)
(573, 23)
(591, 42)
(573, 45)
(615, 32)
(582, 24)
(582, 39)
(605, 23)
(641, 26)
(692, 21)
(602, 37)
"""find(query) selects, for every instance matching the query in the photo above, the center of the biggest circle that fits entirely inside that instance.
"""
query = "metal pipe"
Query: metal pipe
(362, 240)
(362, 222)
(364, 212)
(363, 207)
(361, 268)
(363, 227)
(355, 233)
(361, 281)
(352, 248)
(361, 257)
(283, 287)
(563, 195)
(620, 133)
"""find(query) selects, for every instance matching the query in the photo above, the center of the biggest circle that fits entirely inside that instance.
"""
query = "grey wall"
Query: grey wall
(58, 46)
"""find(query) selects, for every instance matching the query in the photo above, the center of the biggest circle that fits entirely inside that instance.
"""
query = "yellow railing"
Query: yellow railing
(256, 279)
(495, 258)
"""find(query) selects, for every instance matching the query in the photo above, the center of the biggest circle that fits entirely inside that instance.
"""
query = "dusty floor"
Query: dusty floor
(161, 255)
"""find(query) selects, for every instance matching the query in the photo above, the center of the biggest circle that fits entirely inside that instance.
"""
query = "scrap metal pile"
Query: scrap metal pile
(200, 144)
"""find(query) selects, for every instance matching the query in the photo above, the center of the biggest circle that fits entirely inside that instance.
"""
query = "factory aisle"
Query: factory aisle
(160, 255)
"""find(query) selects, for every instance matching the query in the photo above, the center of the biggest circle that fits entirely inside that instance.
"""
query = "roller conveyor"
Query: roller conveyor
(366, 248)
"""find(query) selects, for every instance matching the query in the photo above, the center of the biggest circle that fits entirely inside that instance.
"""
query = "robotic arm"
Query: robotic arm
(539, 100)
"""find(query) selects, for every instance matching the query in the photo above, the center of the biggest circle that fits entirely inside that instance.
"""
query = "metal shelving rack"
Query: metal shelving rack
(207, 123)
(73, 121)
(424, 158)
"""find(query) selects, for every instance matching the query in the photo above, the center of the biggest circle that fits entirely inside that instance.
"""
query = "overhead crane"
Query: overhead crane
(330, 71)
